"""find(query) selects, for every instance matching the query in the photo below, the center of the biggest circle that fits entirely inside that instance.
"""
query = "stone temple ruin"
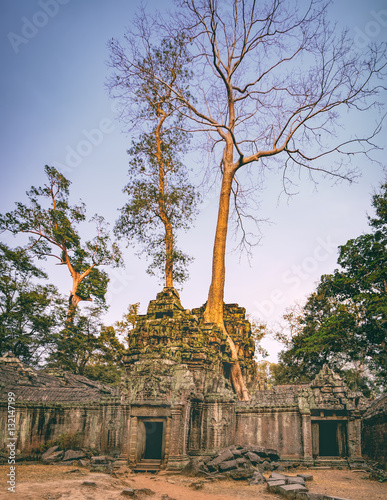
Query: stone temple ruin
(176, 403)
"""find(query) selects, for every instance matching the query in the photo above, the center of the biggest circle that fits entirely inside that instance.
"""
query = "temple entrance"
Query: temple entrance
(153, 440)
(329, 438)
(150, 442)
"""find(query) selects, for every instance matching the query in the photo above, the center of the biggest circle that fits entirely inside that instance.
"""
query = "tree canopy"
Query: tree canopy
(52, 226)
(161, 199)
(30, 313)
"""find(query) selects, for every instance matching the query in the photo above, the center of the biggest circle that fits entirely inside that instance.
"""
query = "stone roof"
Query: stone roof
(377, 409)
(49, 386)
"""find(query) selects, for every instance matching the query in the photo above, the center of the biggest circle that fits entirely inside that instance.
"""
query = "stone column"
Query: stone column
(123, 435)
(132, 441)
(307, 436)
(354, 438)
(177, 458)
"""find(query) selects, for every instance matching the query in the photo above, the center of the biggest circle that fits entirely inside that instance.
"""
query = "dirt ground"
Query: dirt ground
(58, 482)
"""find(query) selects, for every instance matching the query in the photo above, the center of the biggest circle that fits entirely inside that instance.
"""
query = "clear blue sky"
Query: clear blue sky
(54, 54)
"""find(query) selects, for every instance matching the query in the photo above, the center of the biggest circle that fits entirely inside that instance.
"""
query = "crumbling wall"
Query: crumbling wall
(374, 431)
(36, 424)
(278, 428)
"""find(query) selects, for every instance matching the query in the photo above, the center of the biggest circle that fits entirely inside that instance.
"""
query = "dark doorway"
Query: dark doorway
(328, 445)
(153, 440)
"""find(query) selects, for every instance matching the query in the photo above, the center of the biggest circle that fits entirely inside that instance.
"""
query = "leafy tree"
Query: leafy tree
(344, 322)
(248, 94)
(89, 348)
(52, 225)
(161, 198)
(128, 322)
(29, 311)
(106, 362)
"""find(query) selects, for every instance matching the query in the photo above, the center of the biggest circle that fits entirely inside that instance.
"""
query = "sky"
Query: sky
(55, 110)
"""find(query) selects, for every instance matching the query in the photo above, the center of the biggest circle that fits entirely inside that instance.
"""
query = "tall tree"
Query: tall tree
(256, 104)
(161, 198)
(248, 93)
(30, 312)
(345, 321)
(52, 225)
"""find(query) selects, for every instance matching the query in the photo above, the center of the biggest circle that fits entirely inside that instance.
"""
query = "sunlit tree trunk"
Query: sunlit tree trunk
(162, 209)
(214, 309)
(74, 298)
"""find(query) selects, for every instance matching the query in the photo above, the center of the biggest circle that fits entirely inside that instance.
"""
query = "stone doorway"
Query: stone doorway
(329, 438)
(150, 439)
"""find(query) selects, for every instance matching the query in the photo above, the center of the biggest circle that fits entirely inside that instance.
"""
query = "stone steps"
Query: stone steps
(147, 465)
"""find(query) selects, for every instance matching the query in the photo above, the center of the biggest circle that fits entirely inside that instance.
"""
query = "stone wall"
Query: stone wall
(278, 428)
(374, 431)
(98, 425)
(176, 393)
(51, 403)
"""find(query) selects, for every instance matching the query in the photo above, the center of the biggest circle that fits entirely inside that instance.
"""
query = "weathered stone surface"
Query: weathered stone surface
(374, 431)
(253, 457)
(295, 480)
(49, 452)
(258, 450)
(55, 457)
(277, 475)
(241, 461)
(306, 477)
(274, 484)
(241, 473)
(102, 459)
(257, 478)
(73, 455)
(223, 457)
(230, 464)
(288, 490)
(175, 375)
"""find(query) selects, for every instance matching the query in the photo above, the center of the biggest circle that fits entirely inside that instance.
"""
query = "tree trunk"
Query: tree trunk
(214, 308)
(169, 255)
(162, 209)
(74, 300)
(73, 303)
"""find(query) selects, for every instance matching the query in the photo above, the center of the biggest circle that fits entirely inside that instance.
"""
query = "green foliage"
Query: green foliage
(161, 200)
(52, 226)
(29, 312)
(128, 322)
(258, 332)
(69, 440)
(110, 373)
(344, 323)
(89, 348)
(149, 208)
